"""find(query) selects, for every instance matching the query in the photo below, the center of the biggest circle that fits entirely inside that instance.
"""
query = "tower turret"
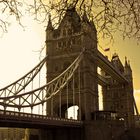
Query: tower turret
(127, 69)
(89, 33)
(85, 18)
(117, 62)
(49, 29)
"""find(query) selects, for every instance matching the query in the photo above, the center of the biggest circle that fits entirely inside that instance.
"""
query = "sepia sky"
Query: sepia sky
(19, 52)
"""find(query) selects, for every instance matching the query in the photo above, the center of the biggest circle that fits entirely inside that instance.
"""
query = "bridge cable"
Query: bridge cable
(22, 82)
(60, 104)
(39, 86)
(43, 103)
(67, 86)
(50, 89)
(32, 103)
(79, 81)
(47, 107)
(24, 92)
(73, 95)
(39, 106)
(32, 86)
(43, 109)
(52, 106)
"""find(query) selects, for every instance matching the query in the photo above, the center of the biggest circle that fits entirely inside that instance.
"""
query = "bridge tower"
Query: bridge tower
(118, 96)
(73, 35)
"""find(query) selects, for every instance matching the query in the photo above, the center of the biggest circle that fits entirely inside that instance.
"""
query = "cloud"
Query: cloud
(136, 90)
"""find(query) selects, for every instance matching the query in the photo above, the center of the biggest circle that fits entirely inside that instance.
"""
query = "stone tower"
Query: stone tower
(117, 96)
(73, 35)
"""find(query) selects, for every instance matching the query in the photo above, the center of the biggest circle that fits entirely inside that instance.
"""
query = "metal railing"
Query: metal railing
(12, 115)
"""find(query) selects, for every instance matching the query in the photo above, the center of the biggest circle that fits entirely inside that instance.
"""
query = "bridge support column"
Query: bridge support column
(119, 97)
(89, 91)
(102, 130)
(130, 105)
(61, 134)
(32, 134)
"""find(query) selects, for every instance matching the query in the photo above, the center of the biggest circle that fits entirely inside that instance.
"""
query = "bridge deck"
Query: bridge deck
(107, 66)
(27, 120)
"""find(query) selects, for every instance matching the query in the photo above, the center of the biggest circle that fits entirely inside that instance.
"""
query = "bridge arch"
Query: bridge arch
(62, 105)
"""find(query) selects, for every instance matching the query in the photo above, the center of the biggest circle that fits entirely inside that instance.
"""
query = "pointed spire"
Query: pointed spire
(71, 8)
(126, 64)
(93, 25)
(49, 26)
(115, 56)
(85, 18)
(128, 70)
(129, 64)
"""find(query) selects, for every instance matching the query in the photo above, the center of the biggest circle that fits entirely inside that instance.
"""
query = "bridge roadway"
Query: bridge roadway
(107, 66)
(27, 120)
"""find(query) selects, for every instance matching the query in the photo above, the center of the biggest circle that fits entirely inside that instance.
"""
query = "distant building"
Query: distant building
(12, 134)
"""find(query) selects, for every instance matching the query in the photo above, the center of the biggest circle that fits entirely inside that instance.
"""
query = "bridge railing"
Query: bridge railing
(12, 115)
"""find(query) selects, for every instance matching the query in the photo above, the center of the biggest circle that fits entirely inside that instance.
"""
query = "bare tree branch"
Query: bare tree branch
(109, 16)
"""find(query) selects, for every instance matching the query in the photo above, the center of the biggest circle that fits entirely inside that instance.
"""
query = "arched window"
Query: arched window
(59, 45)
(64, 44)
(64, 32)
(69, 32)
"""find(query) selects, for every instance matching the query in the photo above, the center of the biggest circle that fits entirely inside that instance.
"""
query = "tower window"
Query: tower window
(79, 41)
(73, 41)
(68, 42)
(111, 107)
(59, 45)
(64, 44)
(122, 106)
(69, 32)
(108, 87)
(64, 32)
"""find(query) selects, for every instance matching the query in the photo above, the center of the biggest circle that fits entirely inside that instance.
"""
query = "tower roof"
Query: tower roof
(117, 62)
(126, 61)
(93, 25)
(127, 64)
(49, 26)
(85, 18)
(90, 23)
(73, 18)
(72, 21)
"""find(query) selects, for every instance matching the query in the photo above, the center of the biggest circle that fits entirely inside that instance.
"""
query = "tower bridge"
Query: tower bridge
(72, 78)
